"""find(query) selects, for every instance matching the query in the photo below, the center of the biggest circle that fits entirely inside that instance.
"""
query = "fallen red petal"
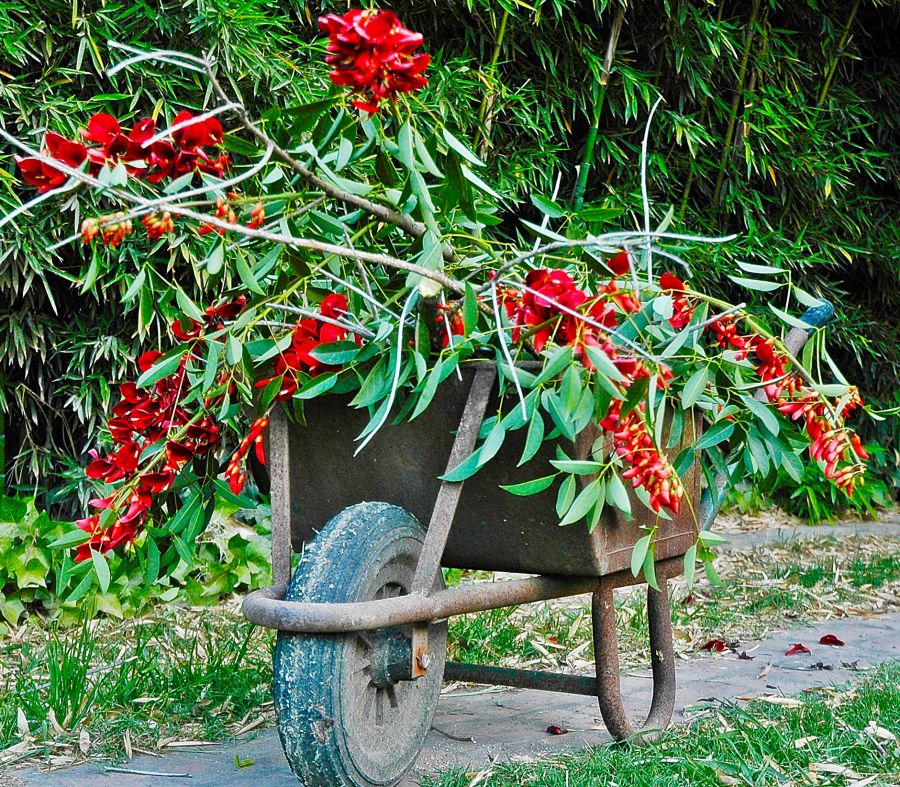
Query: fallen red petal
(797, 648)
(714, 645)
(830, 639)
(554, 730)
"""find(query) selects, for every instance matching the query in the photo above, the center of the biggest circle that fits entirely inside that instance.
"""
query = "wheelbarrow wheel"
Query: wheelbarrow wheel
(347, 712)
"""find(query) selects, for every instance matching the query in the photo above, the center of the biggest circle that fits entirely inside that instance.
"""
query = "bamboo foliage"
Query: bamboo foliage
(778, 122)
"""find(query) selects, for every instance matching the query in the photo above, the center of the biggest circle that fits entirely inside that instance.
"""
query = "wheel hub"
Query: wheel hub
(390, 655)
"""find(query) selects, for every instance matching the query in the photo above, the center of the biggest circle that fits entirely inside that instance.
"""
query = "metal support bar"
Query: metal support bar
(606, 653)
(266, 607)
(585, 685)
(449, 493)
(281, 493)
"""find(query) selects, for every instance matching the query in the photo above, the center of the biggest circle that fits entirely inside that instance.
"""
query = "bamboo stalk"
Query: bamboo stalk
(587, 157)
(736, 102)
(483, 132)
(832, 66)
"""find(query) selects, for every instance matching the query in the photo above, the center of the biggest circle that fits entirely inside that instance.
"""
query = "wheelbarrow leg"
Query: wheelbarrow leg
(606, 654)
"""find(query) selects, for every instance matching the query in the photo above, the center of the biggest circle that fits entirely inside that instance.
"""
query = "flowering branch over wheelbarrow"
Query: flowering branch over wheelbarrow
(362, 252)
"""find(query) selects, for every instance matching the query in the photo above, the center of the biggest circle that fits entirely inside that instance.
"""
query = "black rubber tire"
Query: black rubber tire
(336, 728)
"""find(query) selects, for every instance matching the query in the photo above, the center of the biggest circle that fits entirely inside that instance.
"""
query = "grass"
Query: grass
(764, 590)
(191, 673)
(831, 737)
(143, 685)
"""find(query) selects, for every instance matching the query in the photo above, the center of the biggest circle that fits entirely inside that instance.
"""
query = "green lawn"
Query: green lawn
(835, 737)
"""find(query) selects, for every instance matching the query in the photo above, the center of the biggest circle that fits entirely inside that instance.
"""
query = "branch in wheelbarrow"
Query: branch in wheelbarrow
(406, 223)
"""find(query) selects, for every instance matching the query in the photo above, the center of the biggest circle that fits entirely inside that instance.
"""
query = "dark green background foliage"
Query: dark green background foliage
(779, 122)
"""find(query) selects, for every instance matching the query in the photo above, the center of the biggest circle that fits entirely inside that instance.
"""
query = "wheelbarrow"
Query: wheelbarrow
(362, 623)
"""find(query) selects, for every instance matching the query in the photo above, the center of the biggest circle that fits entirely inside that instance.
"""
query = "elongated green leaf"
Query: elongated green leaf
(335, 353)
(316, 386)
(794, 322)
(428, 391)
(70, 539)
(530, 487)
(757, 284)
(101, 569)
(547, 207)
(638, 553)
(478, 182)
(566, 495)
(617, 495)
(461, 149)
(246, 274)
(162, 368)
(576, 466)
(690, 565)
(762, 270)
(187, 306)
(583, 503)
(763, 413)
(534, 437)
(694, 387)
(716, 434)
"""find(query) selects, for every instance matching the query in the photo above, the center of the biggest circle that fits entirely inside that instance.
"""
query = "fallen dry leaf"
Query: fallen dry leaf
(84, 741)
(801, 742)
(764, 671)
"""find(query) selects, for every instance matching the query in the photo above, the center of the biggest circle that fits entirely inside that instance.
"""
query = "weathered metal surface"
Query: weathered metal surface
(449, 492)
(266, 608)
(491, 530)
(606, 654)
(585, 685)
(282, 495)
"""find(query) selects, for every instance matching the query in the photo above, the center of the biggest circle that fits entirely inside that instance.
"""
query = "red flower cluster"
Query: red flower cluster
(308, 335)
(682, 308)
(214, 319)
(45, 177)
(831, 442)
(538, 310)
(234, 473)
(547, 289)
(110, 144)
(142, 425)
(372, 53)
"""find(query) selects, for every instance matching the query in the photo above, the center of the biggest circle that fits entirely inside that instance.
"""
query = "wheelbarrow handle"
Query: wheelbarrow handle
(815, 317)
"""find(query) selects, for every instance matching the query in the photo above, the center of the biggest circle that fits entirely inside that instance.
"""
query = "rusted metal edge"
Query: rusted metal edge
(266, 607)
(448, 495)
(606, 654)
(585, 685)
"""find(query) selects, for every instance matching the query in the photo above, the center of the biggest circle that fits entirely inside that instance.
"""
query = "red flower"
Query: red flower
(223, 211)
(234, 473)
(158, 225)
(308, 335)
(682, 309)
(372, 53)
(620, 264)
(45, 176)
(198, 134)
(257, 216)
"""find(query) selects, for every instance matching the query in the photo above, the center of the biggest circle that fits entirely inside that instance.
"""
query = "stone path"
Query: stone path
(496, 724)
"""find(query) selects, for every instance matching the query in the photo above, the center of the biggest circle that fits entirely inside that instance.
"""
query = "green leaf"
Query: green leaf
(690, 565)
(187, 306)
(213, 351)
(763, 413)
(757, 284)
(234, 350)
(101, 569)
(716, 434)
(335, 353)
(246, 275)
(469, 311)
(566, 495)
(708, 538)
(763, 270)
(468, 467)
(216, 260)
(650, 569)
(316, 386)
(459, 148)
(476, 181)
(586, 500)
(558, 360)
(530, 487)
(152, 571)
(135, 286)
(492, 443)
(162, 368)
(534, 437)
(70, 539)
(547, 207)
(617, 495)
(694, 387)
(664, 306)
(639, 552)
(603, 363)
(794, 322)
(576, 466)
(429, 389)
